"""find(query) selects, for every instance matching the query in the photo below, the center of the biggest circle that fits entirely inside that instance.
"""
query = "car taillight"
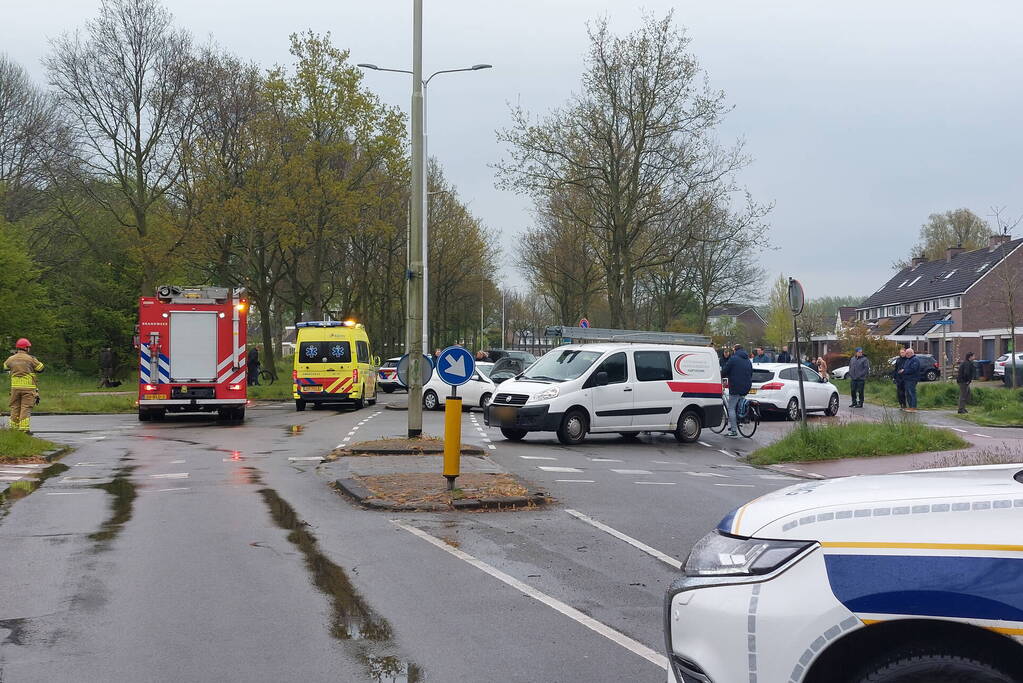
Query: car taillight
(772, 386)
(355, 375)
(294, 374)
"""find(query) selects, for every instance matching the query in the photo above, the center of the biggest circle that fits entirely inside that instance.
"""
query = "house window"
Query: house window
(904, 283)
(927, 306)
(981, 269)
(914, 281)
(950, 273)
(957, 302)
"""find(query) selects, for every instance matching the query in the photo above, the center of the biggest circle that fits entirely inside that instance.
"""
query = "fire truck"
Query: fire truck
(191, 343)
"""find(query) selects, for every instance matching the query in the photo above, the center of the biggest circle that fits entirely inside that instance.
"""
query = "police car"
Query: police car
(908, 577)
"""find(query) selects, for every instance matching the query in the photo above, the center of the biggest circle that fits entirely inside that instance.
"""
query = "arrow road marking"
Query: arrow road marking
(589, 622)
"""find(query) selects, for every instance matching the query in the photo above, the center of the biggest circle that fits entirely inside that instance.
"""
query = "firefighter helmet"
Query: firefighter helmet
(23, 344)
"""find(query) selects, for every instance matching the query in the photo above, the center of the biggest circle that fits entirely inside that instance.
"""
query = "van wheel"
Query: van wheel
(629, 436)
(912, 667)
(513, 434)
(299, 405)
(484, 400)
(573, 427)
(430, 401)
(689, 427)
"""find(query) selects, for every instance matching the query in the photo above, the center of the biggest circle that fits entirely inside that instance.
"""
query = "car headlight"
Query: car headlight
(545, 395)
(719, 555)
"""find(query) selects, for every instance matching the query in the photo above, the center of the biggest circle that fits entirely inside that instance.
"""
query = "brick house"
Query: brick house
(969, 288)
(745, 318)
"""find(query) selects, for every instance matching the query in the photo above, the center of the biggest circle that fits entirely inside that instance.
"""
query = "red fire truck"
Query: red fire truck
(191, 344)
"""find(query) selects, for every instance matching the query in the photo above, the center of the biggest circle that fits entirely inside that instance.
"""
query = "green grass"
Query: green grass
(15, 445)
(59, 393)
(992, 404)
(857, 440)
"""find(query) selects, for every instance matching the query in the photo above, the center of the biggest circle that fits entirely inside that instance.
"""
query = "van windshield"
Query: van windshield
(325, 352)
(561, 366)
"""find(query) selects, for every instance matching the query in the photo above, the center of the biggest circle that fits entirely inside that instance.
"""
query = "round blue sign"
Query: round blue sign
(455, 366)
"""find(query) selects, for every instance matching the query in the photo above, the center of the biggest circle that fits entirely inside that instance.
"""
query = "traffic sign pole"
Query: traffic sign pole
(455, 367)
(796, 300)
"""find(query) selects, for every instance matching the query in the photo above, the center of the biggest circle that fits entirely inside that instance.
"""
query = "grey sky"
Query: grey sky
(862, 117)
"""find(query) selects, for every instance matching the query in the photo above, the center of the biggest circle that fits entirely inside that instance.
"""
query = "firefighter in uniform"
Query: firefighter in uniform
(22, 366)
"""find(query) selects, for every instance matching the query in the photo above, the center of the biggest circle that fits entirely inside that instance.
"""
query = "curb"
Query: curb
(51, 455)
(361, 495)
(466, 450)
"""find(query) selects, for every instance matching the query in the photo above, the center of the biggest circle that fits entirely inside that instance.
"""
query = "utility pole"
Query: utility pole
(416, 242)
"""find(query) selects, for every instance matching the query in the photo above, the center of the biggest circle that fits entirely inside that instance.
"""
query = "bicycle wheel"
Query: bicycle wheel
(748, 427)
(718, 428)
(266, 377)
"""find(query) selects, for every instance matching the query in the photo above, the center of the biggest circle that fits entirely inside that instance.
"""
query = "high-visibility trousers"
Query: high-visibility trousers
(22, 401)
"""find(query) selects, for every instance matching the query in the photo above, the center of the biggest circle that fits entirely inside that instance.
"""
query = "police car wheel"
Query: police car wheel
(929, 668)
(388, 389)
(430, 401)
(573, 428)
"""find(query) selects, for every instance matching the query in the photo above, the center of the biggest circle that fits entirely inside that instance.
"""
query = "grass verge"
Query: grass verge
(857, 440)
(991, 405)
(17, 446)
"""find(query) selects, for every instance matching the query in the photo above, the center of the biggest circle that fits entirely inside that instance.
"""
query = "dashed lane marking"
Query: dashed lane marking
(170, 475)
(558, 469)
(653, 552)
(775, 476)
(668, 462)
(177, 462)
(743, 486)
(656, 483)
(706, 474)
(722, 450)
(492, 447)
(536, 457)
(983, 435)
(66, 493)
(589, 622)
(312, 457)
(704, 443)
(576, 481)
(956, 429)
(632, 471)
(604, 460)
(177, 488)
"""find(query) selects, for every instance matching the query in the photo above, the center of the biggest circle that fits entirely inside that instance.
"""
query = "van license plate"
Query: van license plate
(312, 388)
(505, 413)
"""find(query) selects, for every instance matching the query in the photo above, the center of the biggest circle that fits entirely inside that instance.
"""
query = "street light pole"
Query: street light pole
(415, 302)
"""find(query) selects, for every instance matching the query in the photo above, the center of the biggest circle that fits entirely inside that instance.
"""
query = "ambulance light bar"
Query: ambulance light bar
(328, 323)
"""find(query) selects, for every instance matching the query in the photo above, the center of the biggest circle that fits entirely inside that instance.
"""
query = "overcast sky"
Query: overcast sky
(862, 118)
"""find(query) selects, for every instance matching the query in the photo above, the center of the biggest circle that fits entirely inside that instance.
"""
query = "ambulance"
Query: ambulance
(333, 364)
(191, 343)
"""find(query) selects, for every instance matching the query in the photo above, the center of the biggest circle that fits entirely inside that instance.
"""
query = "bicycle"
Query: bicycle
(747, 422)
(266, 377)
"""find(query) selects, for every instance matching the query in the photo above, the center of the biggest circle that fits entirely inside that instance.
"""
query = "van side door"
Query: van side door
(612, 404)
(655, 401)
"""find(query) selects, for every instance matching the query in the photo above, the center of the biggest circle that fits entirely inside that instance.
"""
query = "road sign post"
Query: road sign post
(455, 366)
(405, 367)
(796, 301)
(944, 349)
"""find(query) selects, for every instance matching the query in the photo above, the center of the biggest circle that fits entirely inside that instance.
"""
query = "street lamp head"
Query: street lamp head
(477, 67)
(369, 66)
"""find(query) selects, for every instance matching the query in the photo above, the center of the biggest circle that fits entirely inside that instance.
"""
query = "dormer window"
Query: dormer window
(981, 269)
(914, 281)
(904, 283)
(950, 273)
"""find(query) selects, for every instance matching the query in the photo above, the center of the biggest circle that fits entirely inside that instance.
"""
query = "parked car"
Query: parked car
(776, 388)
(484, 367)
(525, 356)
(1004, 361)
(607, 388)
(507, 367)
(387, 375)
(930, 368)
(840, 373)
(475, 393)
(914, 576)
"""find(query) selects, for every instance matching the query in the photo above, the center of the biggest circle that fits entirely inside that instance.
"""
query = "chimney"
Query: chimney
(952, 252)
(919, 261)
(997, 240)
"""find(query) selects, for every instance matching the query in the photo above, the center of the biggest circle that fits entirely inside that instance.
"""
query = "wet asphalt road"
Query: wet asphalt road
(191, 551)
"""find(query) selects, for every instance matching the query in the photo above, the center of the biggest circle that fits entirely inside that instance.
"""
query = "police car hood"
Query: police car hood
(780, 514)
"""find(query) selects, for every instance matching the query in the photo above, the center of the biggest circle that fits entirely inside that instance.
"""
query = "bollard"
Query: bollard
(452, 438)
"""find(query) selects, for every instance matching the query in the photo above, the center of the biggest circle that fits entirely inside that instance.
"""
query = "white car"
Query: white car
(1005, 361)
(776, 387)
(387, 375)
(899, 578)
(477, 392)
(840, 373)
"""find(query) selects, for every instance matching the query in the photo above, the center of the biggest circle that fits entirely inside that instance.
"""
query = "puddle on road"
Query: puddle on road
(20, 489)
(353, 619)
(123, 493)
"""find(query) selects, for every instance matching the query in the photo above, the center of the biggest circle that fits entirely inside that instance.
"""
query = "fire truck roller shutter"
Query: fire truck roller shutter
(193, 346)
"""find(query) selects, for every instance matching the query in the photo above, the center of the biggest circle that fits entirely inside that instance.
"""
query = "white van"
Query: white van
(606, 388)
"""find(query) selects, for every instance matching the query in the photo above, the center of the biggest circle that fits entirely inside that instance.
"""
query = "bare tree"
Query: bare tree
(636, 144)
(130, 88)
(956, 228)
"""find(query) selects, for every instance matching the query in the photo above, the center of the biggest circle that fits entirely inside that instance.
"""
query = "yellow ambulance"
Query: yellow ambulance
(333, 364)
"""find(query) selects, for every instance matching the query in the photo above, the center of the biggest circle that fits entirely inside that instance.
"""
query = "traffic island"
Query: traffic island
(425, 445)
(20, 448)
(422, 492)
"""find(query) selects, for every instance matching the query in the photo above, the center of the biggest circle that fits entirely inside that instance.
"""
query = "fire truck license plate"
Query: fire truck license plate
(155, 396)
(313, 388)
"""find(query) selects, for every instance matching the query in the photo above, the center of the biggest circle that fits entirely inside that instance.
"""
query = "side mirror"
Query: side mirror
(375, 360)
(600, 379)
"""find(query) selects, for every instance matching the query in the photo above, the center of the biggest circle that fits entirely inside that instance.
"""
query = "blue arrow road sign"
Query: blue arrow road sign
(455, 366)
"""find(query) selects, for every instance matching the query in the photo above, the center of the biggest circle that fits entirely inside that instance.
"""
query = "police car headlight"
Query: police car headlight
(719, 555)
(545, 395)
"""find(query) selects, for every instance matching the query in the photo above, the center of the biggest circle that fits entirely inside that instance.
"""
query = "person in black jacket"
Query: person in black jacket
(252, 361)
(967, 373)
(900, 385)
(910, 376)
(738, 370)
(784, 356)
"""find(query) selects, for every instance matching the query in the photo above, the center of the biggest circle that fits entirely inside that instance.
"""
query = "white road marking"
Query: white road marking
(536, 457)
(632, 471)
(653, 552)
(956, 429)
(179, 488)
(668, 462)
(20, 473)
(589, 622)
(312, 457)
(706, 474)
(7, 478)
(983, 435)
(722, 450)
(704, 443)
(656, 483)
(39, 466)
(170, 475)
(66, 493)
(576, 481)
(492, 447)
(604, 460)
(775, 476)
(558, 469)
(744, 486)
(176, 462)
